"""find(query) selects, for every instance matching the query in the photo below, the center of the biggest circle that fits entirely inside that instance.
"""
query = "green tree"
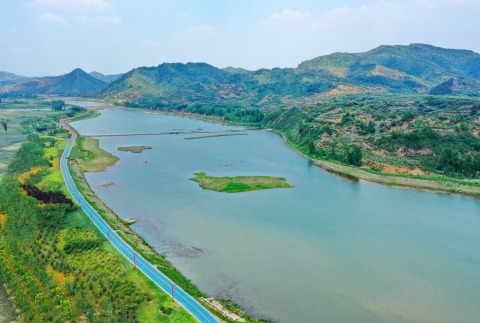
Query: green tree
(371, 127)
(449, 160)
(311, 148)
(4, 123)
(354, 155)
(58, 105)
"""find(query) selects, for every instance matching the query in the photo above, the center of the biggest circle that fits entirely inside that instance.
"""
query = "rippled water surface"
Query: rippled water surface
(327, 250)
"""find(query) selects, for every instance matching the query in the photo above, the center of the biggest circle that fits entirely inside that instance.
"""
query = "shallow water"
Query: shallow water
(326, 250)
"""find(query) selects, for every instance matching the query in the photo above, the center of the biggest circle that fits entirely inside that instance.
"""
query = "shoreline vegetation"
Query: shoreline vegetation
(134, 149)
(239, 183)
(434, 183)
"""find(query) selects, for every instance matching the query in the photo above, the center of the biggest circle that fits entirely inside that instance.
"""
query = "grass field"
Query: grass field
(239, 183)
(93, 159)
(134, 149)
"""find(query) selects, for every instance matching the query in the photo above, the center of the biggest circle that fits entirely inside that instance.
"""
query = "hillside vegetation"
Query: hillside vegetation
(399, 134)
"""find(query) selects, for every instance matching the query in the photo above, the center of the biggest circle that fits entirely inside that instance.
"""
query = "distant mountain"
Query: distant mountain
(200, 83)
(8, 80)
(105, 78)
(416, 68)
(174, 83)
(413, 68)
(237, 70)
(75, 83)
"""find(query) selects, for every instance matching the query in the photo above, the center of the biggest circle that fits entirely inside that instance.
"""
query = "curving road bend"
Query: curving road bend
(180, 296)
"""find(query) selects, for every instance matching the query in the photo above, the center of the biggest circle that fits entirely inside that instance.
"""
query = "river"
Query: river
(326, 250)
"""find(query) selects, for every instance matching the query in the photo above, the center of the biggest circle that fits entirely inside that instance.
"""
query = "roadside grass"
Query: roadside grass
(78, 219)
(239, 183)
(160, 307)
(53, 181)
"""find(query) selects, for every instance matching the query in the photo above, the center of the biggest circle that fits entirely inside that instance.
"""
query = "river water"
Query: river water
(326, 250)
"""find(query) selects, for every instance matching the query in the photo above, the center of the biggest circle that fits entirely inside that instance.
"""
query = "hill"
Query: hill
(75, 83)
(415, 68)
(8, 80)
(412, 69)
(105, 78)
(173, 84)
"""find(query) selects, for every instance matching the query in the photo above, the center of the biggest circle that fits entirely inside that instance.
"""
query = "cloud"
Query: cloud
(99, 20)
(99, 5)
(290, 15)
(52, 18)
(288, 18)
(441, 3)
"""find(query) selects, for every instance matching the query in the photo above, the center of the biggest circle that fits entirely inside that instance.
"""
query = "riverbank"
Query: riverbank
(436, 183)
(87, 156)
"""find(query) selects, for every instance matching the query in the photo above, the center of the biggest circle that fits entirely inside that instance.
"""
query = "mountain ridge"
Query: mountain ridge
(415, 68)
(105, 77)
(407, 69)
(75, 83)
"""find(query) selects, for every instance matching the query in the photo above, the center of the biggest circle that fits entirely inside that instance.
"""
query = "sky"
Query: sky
(53, 37)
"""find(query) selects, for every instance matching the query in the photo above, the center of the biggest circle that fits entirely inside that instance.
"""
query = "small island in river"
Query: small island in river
(239, 183)
(134, 149)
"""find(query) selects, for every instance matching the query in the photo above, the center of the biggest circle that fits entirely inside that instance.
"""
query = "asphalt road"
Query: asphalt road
(180, 296)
